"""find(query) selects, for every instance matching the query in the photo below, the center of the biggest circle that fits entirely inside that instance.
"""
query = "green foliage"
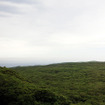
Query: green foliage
(15, 90)
(45, 96)
(56, 84)
(80, 83)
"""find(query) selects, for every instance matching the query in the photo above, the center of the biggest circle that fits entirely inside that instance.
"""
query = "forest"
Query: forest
(72, 83)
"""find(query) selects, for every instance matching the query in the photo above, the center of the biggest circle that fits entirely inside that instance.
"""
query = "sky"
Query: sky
(37, 32)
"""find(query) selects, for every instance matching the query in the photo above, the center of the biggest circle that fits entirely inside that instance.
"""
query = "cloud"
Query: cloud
(20, 1)
(48, 31)
(9, 7)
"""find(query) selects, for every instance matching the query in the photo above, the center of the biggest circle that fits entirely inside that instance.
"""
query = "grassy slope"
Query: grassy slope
(15, 90)
(80, 83)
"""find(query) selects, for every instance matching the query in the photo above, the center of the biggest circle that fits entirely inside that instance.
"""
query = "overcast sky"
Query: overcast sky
(49, 31)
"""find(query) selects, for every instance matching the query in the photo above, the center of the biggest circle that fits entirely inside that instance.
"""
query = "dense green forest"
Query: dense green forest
(81, 83)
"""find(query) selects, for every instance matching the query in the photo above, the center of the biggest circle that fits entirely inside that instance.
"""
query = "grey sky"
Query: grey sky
(49, 31)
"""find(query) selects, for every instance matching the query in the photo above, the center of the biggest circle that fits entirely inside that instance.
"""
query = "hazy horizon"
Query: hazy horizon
(40, 32)
(10, 65)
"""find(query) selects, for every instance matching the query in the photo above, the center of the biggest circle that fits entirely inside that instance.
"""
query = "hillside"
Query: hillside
(81, 83)
(15, 90)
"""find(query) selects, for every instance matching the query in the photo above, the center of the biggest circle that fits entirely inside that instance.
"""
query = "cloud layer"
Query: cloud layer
(43, 31)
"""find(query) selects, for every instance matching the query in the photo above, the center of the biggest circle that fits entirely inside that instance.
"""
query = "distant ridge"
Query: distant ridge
(61, 63)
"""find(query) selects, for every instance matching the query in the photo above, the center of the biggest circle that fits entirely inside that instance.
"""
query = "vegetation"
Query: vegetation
(80, 83)
(15, 90)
